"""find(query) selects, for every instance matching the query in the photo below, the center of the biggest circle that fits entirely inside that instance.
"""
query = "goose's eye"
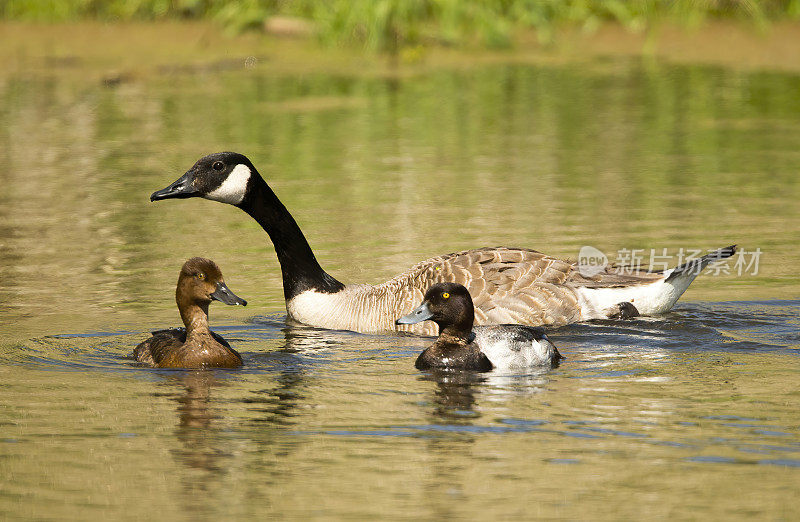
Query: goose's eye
(445, 295)
(201, 276)
(218, 165)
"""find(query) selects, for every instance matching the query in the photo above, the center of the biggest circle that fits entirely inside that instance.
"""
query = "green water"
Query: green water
(689, 416)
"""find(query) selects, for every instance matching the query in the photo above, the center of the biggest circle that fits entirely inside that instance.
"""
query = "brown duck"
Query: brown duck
(196, 346)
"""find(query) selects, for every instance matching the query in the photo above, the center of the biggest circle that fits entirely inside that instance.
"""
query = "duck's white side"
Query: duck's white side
(511, 348)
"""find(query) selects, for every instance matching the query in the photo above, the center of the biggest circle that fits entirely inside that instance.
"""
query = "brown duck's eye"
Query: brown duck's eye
(218, 165)
(201, 276)
(446, 295)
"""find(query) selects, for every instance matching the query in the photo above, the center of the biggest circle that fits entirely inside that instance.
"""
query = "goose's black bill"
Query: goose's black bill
(419, 314)
(224, 295)
(181, 188)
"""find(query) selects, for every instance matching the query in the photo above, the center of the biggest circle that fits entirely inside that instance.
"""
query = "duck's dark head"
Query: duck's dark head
(224, 176)
(201, 282)
(447, 304)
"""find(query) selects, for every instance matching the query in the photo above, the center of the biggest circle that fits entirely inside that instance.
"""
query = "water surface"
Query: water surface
(689, 415)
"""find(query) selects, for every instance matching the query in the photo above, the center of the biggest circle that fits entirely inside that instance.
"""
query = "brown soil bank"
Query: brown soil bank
(116, 52)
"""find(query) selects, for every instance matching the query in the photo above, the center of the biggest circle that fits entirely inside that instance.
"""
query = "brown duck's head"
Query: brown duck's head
(201, 282)
(447, 304)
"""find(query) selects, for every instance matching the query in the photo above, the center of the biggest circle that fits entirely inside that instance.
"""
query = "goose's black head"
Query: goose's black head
(447, 304)
(224, 176)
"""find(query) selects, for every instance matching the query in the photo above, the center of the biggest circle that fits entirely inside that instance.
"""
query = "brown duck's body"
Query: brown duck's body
(171, 349)
(194, 346)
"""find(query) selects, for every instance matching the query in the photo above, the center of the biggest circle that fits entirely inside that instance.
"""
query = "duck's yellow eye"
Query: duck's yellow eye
(446, 295)
(201, 276)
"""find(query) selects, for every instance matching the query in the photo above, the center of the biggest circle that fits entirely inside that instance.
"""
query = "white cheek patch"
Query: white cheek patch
(233, 188)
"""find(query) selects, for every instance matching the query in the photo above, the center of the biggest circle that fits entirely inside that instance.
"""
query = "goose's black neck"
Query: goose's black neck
(299, 267)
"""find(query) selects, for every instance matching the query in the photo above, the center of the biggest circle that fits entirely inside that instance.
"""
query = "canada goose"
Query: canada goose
(462, 346)
(196, 346)
(508, 285)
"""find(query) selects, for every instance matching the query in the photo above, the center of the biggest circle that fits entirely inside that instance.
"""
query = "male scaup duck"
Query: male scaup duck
(462, 346)
(508, 285)
(199, 283)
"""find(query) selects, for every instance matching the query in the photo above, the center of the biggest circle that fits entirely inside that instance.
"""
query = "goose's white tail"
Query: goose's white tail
(650, 298)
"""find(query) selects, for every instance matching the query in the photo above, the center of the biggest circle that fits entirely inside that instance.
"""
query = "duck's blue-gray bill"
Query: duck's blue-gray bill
(419, 314)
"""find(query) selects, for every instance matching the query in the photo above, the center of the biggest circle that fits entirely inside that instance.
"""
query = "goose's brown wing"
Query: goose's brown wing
(492, 271)
(512, 285)
(612, 276)
(483, 269)
(508, 285)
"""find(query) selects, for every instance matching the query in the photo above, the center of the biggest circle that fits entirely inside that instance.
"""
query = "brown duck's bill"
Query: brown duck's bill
(181, 188)
(419, 314)
(224, 295)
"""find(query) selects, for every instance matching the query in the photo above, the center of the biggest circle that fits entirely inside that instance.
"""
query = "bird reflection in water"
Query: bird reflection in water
(278, 404)
(305, 339)
(453, 413)
(456, 392)
(195, 430)
(454, 396)
(452, 450)
(204, 430)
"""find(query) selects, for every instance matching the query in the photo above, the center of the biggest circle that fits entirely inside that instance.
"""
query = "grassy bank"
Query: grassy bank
(391, 25)
(139, 50)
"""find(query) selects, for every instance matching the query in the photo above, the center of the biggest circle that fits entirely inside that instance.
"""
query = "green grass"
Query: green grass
(390, 25)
